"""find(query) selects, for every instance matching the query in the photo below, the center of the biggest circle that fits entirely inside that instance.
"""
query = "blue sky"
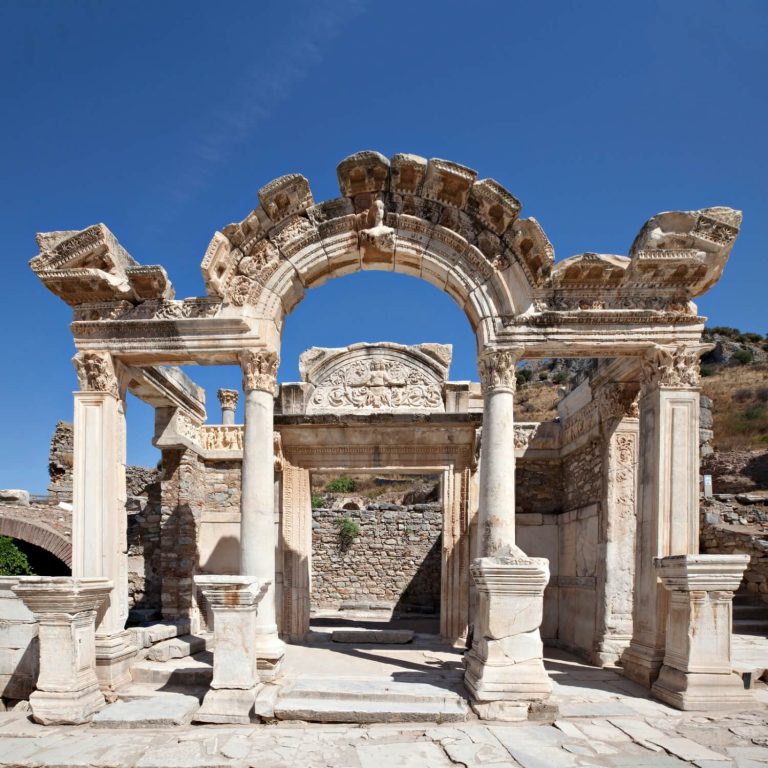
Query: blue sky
(162, 120)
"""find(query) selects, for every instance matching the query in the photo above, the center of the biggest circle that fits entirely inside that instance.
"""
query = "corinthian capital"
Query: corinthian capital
(95, 372)
(228, 398)
(497, 369)
(672, 367)
(260, 370)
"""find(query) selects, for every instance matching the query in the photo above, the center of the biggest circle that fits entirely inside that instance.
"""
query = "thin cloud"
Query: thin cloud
(265, 87)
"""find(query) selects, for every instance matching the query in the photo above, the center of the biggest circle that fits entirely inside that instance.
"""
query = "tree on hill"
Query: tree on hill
(13, 562)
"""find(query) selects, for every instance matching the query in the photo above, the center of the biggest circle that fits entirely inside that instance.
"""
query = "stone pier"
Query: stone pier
(65, 608)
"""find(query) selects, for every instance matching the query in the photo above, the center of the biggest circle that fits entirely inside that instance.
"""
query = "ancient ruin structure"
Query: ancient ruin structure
(608, 565)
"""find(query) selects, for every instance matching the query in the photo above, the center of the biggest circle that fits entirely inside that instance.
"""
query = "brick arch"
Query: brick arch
(38, 535)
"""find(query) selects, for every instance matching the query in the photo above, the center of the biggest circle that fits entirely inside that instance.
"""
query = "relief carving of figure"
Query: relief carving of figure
(95, 372)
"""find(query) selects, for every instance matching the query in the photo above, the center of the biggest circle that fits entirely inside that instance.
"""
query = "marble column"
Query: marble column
(258, 533)
(99, 529)
(668, 495)
(65, 608)
(234, 601)
(697, 671)
(504, 667)
(228, 400)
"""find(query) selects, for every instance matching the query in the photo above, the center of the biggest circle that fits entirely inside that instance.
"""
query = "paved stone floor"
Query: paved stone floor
(604, 721)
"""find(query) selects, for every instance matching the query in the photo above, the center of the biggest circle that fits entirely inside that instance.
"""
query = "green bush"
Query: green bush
(543, 375)
(752, 337)
(523, 376)
(13, 562)
(560, 377)
(723, 330)
(317, 501)
(341, 485)
(707, 371)
(742, 356)
(754, 413)
(348, 530)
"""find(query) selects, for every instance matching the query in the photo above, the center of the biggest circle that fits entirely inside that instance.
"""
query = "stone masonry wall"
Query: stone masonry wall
(539, 486)
(394, 561)
(582, 476)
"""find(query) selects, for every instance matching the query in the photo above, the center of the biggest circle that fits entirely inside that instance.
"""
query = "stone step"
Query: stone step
(178, 647)
(189, 672)
(151, 633)
(750, 626)
(750, 611)
(377, 636)
(159, 711)
(369, 700)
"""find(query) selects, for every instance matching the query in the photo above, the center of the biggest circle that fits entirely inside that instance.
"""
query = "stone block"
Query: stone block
(161, 711)
(377, 636)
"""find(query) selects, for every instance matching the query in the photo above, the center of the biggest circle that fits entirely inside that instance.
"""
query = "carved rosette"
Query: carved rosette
(260, 370)
(96, 372)
(671, 368)
(228, 399)
(497, 370)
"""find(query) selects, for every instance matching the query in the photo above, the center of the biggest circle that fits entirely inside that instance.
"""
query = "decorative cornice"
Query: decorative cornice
(96, 372)
(260, 370)
(497, 369)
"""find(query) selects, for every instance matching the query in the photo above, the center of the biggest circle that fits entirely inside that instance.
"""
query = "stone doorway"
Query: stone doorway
(377, 550)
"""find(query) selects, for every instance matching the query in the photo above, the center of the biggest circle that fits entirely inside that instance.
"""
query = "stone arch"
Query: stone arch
(431, 219)
(38, 535)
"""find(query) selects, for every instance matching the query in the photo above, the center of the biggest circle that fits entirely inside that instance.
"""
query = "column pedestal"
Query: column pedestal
(233, 600)
(697, 671)
(505, 663)
(65, 608)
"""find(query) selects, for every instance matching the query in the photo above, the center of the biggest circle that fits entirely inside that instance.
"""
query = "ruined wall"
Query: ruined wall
(394, 561)
(582, 476)
(60, 462)
(538, 486)
(143, 508)
(220, 522)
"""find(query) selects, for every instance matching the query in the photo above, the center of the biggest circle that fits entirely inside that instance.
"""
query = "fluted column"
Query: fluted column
(99, 532)
(258, 533)
(668, 495)
(504, 667)
(228, 400)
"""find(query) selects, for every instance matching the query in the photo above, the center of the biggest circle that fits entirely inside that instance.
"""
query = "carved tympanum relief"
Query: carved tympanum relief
(378, 384)
(95, 372)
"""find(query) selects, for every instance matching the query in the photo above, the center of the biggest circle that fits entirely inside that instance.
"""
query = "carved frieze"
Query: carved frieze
(259, 370)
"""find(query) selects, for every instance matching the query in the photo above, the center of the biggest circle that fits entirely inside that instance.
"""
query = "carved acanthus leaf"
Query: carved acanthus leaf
(228, 399)
(260, 370)
(497, 369)
(95, 372)
(673, 368)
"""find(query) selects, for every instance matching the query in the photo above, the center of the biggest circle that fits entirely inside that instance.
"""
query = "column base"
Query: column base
(505, 663)
(228, 705)
(114, 658)
(642, 664)
(66, 707)
(700, 690)
(611, 650)
(270, 652)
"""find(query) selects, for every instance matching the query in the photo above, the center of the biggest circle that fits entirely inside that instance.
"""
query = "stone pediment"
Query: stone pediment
(376, 378)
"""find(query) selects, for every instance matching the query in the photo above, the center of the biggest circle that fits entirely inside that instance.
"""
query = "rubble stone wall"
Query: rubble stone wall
(395, 559)
(538, 486)
(582, 476)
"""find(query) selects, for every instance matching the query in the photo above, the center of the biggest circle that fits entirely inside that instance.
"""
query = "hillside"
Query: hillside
(734, 376)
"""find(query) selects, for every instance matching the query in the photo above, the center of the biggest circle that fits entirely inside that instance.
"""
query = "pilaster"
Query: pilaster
(668, 515)
(99, 533)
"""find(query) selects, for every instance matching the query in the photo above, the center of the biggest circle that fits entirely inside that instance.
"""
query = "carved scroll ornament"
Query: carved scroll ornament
(497, 369)
(672, 368)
